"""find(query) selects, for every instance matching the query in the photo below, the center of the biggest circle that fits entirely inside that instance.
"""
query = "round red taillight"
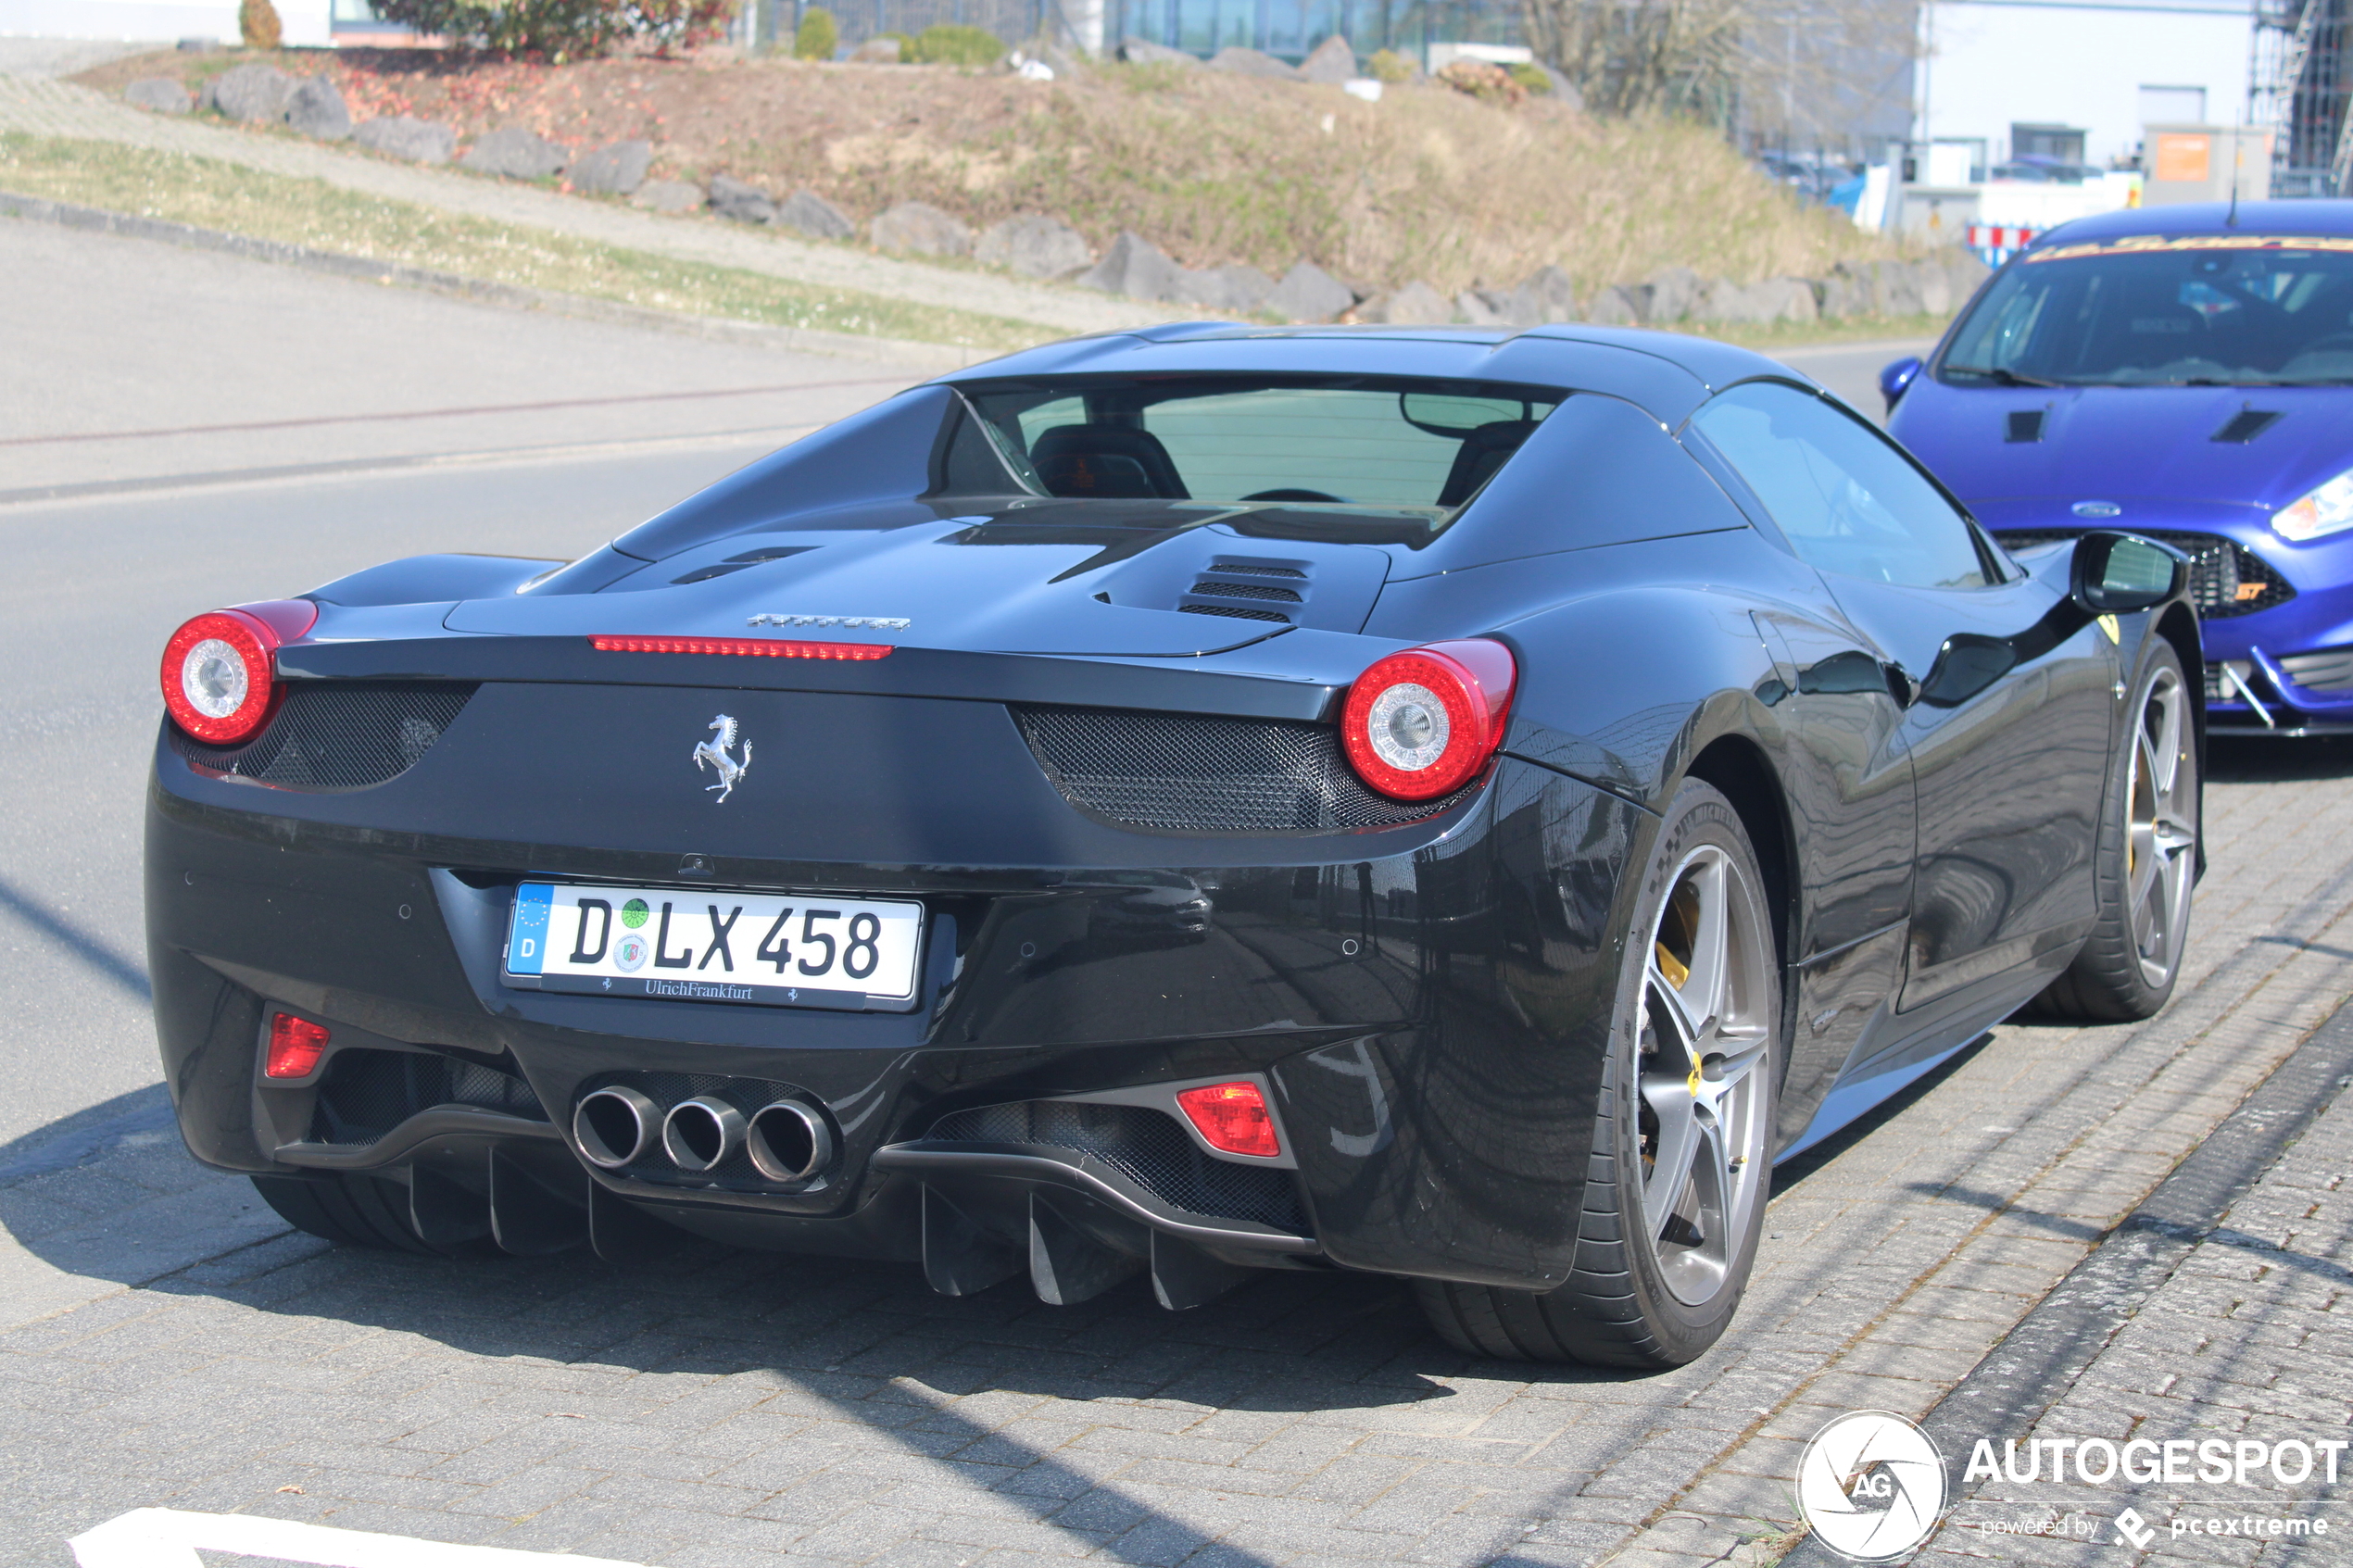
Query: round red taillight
(1422, 723)
(220, 680)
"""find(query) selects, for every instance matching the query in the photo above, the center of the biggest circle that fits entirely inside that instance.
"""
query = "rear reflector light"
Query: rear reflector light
(1422, 723)
(754, 647)
(296, 1045)
(219, 674)
(1232, 1117)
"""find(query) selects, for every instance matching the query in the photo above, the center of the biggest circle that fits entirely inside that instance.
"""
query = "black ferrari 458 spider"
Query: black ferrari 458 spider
(1440, 803)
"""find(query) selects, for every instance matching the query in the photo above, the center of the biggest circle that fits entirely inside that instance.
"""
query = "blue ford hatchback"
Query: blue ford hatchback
(2185, 372)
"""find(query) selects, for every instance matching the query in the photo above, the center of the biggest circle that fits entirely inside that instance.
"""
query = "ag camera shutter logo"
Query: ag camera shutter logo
(1870, 1485)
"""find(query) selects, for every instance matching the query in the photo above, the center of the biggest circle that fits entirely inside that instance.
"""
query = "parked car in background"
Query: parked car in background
(2185, 372)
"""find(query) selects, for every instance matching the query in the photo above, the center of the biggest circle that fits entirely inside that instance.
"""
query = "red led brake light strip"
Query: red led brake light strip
(755, 647)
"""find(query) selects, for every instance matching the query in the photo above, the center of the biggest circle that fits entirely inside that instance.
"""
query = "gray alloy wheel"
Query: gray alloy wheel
(2145, 867)
(2161, 846)
(1699, 1081)
(1675, 1190)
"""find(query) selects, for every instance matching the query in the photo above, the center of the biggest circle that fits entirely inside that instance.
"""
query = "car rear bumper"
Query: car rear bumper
(1412, 1000)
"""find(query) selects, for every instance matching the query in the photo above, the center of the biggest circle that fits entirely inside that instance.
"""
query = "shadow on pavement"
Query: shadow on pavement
(2264, 760)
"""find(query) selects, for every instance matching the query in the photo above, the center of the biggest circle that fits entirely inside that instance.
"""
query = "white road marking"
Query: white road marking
(166, 1537)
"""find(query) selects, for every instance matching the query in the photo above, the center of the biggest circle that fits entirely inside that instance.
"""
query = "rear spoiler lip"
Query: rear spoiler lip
(1075, 681)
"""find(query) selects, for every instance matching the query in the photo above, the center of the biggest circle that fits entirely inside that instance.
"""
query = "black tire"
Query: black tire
(2127, 968)
(353, 1209)
(1630, 1299)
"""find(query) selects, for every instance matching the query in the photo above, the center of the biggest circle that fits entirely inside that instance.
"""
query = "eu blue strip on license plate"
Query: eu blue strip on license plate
(715, 944)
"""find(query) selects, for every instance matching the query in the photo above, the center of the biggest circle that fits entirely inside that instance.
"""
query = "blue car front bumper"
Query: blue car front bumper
(2278, 617)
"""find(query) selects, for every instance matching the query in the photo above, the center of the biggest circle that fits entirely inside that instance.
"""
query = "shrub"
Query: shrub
(906, 45)
(563, 29)
(818, 37)
(1532, 77)
(257, 20)
(1488, 83)
(945, 43)
(1387, 65)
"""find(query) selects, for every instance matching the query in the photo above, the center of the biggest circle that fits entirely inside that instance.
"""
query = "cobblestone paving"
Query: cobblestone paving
(41, 106)
(2222, 1328)
(735, 1408)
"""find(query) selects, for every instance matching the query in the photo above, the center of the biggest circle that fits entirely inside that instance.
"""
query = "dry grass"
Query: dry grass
(309, 212)
(1428, 184)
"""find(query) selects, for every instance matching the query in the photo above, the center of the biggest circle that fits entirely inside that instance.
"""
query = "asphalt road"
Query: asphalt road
(163, 1342)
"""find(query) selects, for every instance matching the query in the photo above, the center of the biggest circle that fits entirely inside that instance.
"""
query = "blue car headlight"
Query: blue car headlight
(2327, 508)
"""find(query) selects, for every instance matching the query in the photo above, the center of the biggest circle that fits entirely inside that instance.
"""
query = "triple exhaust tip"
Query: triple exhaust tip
(787, 1140)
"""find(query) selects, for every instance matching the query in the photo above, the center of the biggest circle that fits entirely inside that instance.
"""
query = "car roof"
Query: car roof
(1668, 374)
(2208, 218)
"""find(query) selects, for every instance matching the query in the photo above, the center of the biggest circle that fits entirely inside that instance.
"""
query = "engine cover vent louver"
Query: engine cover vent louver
(338, 735)
(1224, 581)
(2226, 578)
(1182, 773)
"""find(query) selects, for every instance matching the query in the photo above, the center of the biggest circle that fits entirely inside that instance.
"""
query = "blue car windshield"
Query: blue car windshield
(2154, 310)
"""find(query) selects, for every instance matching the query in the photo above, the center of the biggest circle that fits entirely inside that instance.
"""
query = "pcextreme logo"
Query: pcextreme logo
(1870, 1485)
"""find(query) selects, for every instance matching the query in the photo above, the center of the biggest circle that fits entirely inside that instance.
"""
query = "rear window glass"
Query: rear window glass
(1348, 441)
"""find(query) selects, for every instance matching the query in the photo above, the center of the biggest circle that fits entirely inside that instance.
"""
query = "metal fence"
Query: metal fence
(1287, 29)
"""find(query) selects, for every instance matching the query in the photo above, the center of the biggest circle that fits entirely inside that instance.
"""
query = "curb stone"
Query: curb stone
(803, 340)
(2040, 1360)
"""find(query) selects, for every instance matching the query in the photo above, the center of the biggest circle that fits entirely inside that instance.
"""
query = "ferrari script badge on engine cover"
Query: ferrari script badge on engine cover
(712, 753)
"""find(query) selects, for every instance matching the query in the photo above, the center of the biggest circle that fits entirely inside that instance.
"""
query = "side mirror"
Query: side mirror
(1895, 379)
(2117, 573)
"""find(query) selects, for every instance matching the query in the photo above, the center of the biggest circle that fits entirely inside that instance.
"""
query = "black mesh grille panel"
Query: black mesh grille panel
(1186, 772)
(1237, 611)
(1248, 591)
(368, 1093)
(1145, 1145)
(338, 735)
(2226, 578)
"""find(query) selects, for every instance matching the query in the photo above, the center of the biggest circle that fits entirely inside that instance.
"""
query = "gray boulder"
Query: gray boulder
(921, 229)
(1618, 306)
(1134, 266)
(1250, 62)
(1038, 247)
(1143, 51)
(1240, 289)
(254, 94)
(731, 197)
(1792, 299)
(1934, 286)
(813, 214)
(1416, 305)
(399, 135)
(317, 110)
(668, 195)
(1483, 309)
(160, 94)
(1547, 296)
(516, 154)
(1309, 294)
(876, 52)
(1674, 294)
(616, 170)
(1846, 292)
(1964, 271)
(1332, 63)
(1896, 289)
(1725, 301)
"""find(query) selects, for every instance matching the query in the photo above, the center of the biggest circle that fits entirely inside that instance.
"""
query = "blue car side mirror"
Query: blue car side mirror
(1895, 378)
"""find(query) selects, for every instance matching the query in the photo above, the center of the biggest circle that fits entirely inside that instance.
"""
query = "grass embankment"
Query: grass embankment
(308, 212)
(1428, 184)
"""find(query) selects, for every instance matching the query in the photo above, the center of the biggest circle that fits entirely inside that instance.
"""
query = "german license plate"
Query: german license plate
(710, 945)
